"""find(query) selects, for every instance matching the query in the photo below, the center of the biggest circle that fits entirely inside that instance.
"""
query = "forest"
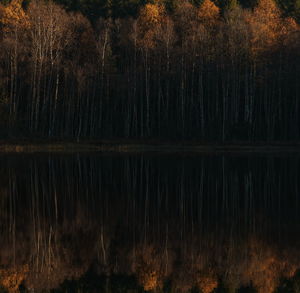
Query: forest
(208, 71)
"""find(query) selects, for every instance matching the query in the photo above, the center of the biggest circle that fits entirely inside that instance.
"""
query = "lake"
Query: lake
(150, 222)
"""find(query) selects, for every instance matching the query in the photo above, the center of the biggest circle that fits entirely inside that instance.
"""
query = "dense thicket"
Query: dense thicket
(190, 72)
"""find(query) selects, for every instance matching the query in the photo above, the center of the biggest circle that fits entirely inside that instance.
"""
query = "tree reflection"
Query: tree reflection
(166, 224)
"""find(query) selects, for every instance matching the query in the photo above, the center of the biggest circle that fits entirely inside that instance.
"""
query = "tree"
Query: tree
(208, 12)
(49, 35)
(265, 24)
(148, 24)
(14, 23)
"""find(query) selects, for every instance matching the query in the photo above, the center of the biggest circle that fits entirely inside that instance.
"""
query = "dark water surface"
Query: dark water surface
(166, 223)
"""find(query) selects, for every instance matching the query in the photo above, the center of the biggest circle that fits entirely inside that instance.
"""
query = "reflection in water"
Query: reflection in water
(162, 222)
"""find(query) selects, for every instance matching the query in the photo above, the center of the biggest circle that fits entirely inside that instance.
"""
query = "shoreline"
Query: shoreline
(143, 147)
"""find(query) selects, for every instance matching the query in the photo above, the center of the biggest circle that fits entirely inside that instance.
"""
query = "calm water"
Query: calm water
(95, 223)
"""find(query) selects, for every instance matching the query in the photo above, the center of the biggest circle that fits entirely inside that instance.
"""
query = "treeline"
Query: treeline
(94, 9)
(188, 72)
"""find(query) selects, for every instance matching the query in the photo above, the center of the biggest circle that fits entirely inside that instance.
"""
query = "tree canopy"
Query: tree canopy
(94, 9)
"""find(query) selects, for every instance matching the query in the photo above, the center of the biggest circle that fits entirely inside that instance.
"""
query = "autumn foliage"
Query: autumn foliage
(208, 12)
(12, 278)
(13, 16)
(185, 72)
